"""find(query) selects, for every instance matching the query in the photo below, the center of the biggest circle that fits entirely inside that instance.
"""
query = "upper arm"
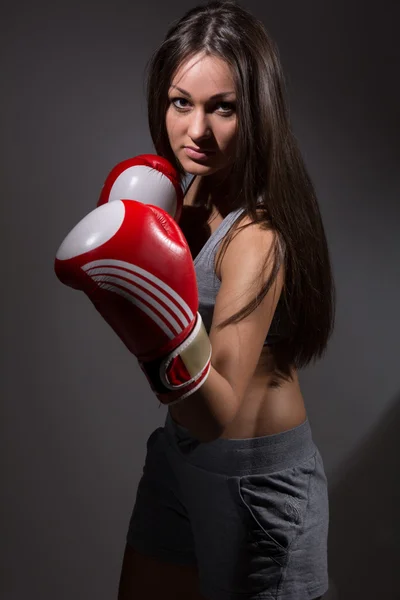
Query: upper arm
(236, 348)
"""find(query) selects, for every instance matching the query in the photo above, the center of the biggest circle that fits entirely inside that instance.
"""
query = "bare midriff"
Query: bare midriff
(265, 408)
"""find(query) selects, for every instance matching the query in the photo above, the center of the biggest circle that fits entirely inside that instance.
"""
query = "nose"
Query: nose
(199, 127)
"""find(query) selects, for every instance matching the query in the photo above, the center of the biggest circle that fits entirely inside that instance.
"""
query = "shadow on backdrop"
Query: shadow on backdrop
(364, 534)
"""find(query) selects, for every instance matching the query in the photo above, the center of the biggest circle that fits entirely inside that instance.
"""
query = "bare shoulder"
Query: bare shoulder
(249, 237)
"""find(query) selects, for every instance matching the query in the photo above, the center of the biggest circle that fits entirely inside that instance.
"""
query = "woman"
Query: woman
(240, 511)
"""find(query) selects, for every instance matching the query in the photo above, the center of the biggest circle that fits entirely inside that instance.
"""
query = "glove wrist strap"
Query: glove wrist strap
(179, 374)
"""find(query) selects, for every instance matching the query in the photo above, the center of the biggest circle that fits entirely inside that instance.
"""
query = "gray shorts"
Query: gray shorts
(252, 514)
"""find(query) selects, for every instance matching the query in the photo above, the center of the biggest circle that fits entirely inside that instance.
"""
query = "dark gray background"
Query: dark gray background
(76, 410)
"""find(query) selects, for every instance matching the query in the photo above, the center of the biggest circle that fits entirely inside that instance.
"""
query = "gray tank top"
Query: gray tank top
(208, 283)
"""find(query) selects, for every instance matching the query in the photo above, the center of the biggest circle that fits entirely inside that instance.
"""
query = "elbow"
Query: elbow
(207, 412)
(203, 429)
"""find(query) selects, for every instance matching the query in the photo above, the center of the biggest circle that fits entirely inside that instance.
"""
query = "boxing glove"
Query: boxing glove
(146, 178)
(134, 264)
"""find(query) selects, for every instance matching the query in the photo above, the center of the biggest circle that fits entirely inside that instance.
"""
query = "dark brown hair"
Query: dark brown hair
(268, 165)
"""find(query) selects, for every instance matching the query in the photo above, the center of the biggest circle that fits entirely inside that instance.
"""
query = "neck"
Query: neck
(213, 193)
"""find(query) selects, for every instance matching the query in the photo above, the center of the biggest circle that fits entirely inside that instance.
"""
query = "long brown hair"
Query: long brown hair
(268, 165)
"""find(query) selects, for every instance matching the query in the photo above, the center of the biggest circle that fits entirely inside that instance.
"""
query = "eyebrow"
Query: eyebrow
(219, 95)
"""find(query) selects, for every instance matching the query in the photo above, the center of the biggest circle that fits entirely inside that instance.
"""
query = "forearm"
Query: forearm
(206, 412)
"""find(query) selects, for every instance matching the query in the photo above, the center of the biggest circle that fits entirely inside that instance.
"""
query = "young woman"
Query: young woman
(238, 509)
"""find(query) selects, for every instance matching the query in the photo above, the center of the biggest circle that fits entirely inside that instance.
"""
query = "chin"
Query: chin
(194, 168)
(203, 171)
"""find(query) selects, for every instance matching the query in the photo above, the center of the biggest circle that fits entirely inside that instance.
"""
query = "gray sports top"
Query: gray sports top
(208, 283)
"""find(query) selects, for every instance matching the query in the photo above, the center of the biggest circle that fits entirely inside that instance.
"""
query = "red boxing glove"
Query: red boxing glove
(146, 178)
(133, 262)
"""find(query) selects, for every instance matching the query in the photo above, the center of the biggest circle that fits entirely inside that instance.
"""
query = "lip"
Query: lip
(198, 153)
(205, 150)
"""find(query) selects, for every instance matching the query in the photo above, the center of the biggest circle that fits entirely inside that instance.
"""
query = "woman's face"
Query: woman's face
(201, 116)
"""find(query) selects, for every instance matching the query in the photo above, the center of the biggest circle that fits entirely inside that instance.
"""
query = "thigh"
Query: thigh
(159, 525)
(245, 528)
(159, 560)
(149, 578)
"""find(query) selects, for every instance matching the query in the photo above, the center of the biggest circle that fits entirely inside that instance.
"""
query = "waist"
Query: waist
(267, 408)
(264, 454)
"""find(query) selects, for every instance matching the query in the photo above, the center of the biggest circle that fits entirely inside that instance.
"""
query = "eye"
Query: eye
(226, 109)
(175, 100)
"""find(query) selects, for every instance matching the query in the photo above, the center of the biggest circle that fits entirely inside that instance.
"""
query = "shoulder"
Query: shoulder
(249, 257)
(247, 242)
